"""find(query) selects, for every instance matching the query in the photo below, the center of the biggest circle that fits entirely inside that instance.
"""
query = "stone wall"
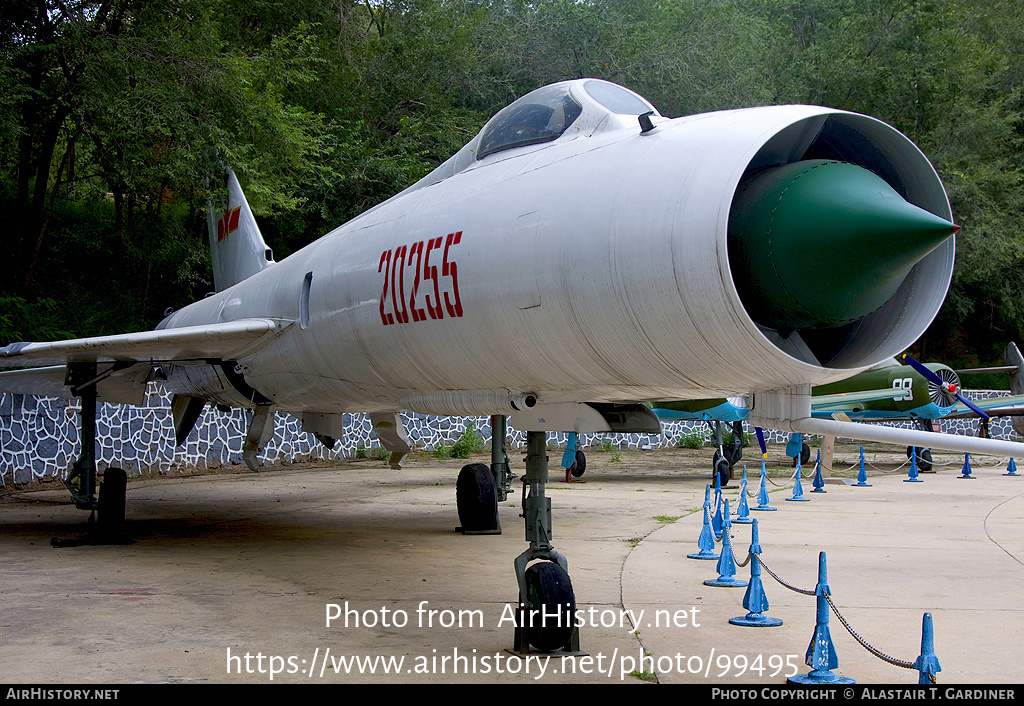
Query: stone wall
(39, 436)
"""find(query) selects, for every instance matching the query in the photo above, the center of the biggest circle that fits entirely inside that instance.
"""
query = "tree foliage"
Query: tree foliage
(113, 111)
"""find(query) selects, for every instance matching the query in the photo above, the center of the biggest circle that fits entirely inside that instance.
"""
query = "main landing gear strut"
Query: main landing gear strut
(479, 489)
(726, 455)
(107, 518)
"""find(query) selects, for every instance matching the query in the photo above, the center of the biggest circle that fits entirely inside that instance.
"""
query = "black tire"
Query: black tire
(722, 470)
(580, 466)
(110, 506)
(549, 591)
(805, 454)
(476, 498)
(924, 458)
(924, 461)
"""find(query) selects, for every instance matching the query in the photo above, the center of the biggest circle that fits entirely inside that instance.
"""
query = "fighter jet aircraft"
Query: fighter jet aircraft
(580, 252)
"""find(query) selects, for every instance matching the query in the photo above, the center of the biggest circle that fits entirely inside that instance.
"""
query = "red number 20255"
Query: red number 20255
(432, 293)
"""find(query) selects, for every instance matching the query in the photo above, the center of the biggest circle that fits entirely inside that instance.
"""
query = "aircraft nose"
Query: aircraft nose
(821, 244)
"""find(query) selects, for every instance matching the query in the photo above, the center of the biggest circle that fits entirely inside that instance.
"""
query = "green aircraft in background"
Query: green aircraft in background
(889, 392)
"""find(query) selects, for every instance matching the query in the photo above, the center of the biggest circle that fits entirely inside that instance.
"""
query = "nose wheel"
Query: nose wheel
(550, 611)
(547, 604)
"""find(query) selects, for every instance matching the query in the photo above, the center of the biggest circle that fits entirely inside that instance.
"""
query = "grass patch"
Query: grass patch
(644, 675)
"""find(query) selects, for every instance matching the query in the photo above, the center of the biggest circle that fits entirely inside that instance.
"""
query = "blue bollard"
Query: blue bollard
(821, 653)
(726, 563)
(862, 475)
(706, 542)
(754, 599)
(967, 468)
(762, 492)
(927, 663)
(819, 482)
(1011, 468)
(913, 467)
(742, 508)
(798, 488)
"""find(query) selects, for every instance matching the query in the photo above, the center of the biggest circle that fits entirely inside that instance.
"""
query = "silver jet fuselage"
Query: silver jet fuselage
(591, 268)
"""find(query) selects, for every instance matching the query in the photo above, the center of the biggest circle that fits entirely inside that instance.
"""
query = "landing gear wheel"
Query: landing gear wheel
(924, 458)
(580, 466)
(722, 469)
(805, 454)
(110, 506)
(549, 592)
(477, 498)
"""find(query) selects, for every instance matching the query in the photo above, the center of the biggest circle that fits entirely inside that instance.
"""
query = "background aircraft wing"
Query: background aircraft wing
(842, 400)
(995, 406)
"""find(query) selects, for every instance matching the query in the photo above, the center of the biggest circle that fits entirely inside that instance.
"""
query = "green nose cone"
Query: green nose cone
(821, 244)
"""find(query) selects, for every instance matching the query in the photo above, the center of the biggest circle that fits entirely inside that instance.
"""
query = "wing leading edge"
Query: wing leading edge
(131, 356)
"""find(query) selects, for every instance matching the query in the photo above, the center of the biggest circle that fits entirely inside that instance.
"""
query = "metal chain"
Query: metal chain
(828, 597)
(725, 538)
(858, 638)
(787, 585)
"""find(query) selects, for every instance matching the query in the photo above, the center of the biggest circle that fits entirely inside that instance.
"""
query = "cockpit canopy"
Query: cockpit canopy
(580, 108)
(540, 116)
(545, 114)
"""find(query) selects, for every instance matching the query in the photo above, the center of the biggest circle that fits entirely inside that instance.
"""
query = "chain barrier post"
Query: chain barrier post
(716, 520)
(754, 600)
(706, 541)
(913, 467)
(819, 482)
(726, 563)
(967, 468)
(742, 508)
(927, 664)
(762, 492)
(821, 653)
(1011, 468)
(798, 488)
(862, 476)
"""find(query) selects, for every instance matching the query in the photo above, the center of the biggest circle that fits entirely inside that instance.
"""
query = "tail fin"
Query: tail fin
(236, 243)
